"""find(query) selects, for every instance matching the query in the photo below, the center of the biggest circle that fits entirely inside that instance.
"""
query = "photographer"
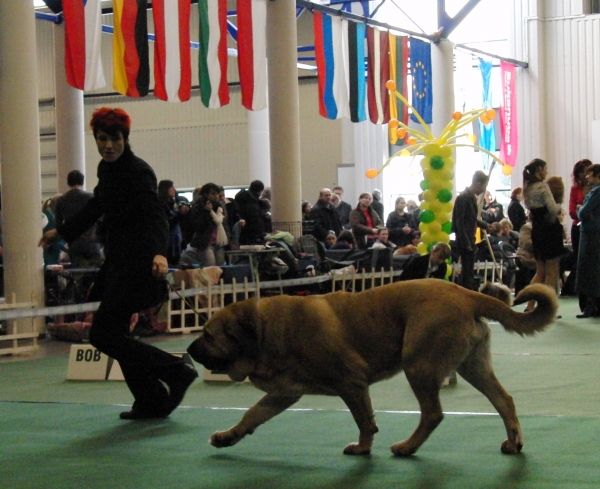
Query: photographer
(207, 247)
(174, 212)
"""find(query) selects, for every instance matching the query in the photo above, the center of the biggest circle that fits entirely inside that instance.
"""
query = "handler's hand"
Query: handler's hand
(160, 266)
(49, 237)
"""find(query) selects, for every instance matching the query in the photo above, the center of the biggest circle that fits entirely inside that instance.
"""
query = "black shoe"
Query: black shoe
(179, 385)
(131, 415)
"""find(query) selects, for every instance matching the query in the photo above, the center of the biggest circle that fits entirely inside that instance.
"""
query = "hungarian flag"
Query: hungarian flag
(354, 42)
(172, 60)
(252, 53)
(329, 54)
(378, 72)
(83, 31)
(214, 89)
(422, 90)
(398, 73)
(130, 48)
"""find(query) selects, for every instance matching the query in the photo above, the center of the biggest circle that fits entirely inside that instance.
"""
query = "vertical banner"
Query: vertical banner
(420, 66)
(508, 114)
(378, 73)
(487, 138)
(398, 72)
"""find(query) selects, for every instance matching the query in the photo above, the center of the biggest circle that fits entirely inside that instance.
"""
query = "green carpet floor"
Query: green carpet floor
(66, 434)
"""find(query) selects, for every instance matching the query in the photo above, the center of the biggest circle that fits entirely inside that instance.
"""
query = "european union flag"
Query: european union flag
(422, 93)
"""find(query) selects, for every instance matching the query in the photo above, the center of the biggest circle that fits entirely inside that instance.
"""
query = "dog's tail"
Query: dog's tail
(523, 323)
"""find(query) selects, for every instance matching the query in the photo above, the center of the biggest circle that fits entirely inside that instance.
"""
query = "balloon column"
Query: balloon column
(438, 167)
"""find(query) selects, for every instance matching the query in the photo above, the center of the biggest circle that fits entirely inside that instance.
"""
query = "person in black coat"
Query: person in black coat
(324, 216)
(343, 209)
(136, 246)
(247, 203)
(515, 211)
(432, 265)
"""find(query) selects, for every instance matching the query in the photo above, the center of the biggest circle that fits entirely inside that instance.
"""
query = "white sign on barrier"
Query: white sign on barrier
(87, 363)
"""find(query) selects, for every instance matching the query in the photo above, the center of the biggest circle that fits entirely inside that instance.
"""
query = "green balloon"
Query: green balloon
(444, 195)
(424, 184)
(436, 162)
(447, 227)
(427, 216)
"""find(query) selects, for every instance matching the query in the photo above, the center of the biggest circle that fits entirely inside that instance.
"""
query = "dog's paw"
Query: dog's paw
(509, 447)
(403, 449)
(222, 439)
(357, 449)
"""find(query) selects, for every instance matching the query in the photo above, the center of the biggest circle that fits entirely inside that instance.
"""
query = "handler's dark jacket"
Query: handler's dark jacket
(135, 225)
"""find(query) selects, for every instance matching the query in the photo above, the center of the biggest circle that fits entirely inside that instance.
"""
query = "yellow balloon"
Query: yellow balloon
(372, 173)
(424, 206)
(445, 174)
(445, 238)
(448, 185)
(425, 163)
(507, 169)
(423, 227)
(472, 138)
(435, 206)
(446, 152)
(422, 249)
(448, 270)
(405, 152)
(449, 163)
(435, 227)
(436, 185)
(432, 150)
(429, 196)
(442, 217)
(446, 207)
(426, 238)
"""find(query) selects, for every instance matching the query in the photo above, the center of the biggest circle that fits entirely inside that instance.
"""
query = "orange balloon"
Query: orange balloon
(411, 141)
(491, 114)
(507, 169)
(484, 119)
(372, 173)
(393, 123)
(457, 116)
(401, 133)
(390, 85)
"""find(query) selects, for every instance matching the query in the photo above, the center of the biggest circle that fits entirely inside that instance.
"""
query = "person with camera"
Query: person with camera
(207, 247)
(132, 276)
(174, 209)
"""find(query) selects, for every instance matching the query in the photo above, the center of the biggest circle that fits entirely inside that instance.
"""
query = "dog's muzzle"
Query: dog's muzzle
(198, 352)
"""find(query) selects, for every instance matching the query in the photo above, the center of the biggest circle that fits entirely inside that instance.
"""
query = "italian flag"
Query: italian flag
(214, 90)
(83, 30)
(252, 53)
(172, 61)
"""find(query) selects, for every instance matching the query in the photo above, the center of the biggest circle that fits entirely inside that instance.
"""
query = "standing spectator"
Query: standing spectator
(84, 251)
(207, 247)
(174, 211)
(578, 191)
(307, 224)
(137, 234)
(364, 221)
(247, 203)
(343, 209)
(376, 204)
(464, 224)
(515, 211)
(53, 251)
(546, 230)
(324, 216)
(492, 210)
(588, 265)
(399, 224)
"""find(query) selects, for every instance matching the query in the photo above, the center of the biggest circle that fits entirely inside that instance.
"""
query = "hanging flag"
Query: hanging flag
(487, 138)
(83, 31)
(252, 53)
(378, 73)
(420, 64)
(333, 94)
(353, 40)
(398, 73)
(508, 114)
(214, 89)
(130, 48)
(172, 61)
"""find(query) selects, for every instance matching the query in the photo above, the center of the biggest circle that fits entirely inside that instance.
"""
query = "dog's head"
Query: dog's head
(229, 341)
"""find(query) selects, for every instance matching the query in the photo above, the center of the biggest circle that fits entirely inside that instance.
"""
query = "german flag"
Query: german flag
(130, 48)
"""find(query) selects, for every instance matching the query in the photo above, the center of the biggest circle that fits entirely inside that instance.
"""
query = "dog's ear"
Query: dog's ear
(242, 326)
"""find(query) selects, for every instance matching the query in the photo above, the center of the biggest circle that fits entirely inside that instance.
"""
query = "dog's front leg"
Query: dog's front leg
(361, 408)
(265, 409)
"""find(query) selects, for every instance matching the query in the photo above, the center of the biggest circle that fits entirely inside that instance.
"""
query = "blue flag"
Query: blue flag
(420, 66)
(487, 138)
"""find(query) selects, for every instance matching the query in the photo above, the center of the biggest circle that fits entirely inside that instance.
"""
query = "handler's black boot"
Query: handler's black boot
(179, 383)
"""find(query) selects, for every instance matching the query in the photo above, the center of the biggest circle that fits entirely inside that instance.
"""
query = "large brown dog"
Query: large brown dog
(340, 343)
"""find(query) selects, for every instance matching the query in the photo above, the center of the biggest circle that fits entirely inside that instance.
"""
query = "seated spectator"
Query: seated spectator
(330, 239)
(364, 221)
(432, 265)
(415, 238)
(492, 210)
(383, 239)
(526, 264)
(345, 241)
(507, 233)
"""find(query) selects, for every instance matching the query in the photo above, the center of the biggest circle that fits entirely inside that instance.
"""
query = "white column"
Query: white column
(259, 152)
(20, 155)
(68, 113)
(284, 111)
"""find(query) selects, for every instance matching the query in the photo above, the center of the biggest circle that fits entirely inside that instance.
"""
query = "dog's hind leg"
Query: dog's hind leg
(426, 386)
(265, 409)
(361, 408)
(477, 370)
